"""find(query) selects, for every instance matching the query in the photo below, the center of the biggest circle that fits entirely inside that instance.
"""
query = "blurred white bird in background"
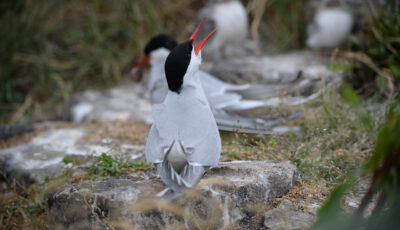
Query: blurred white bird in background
(331, 26)
(229, 17)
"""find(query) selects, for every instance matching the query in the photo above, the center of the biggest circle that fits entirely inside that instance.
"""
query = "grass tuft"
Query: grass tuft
(108, 165)
(334, 144)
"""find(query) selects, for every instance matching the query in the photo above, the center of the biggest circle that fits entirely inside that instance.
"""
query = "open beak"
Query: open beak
(200, 45)
(196, 31)
(143, 61)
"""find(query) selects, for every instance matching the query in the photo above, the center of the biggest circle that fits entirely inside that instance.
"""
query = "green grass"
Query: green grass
(379, 206)
(18, 213)
(25, 208)
(69, 159)
(335, 143)
(375, 54)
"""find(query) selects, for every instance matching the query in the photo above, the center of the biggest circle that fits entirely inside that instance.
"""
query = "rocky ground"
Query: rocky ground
(80, 193)
(91, 174)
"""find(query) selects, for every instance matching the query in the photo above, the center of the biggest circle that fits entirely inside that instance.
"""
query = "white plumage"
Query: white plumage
(230, 20)
(185, 117)
(184, 139)
(224, 99)
(330, 28)
(157, 84)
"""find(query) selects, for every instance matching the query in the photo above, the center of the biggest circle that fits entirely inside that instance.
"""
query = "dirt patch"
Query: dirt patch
(304, 192)
(21, 138)
(122, 131)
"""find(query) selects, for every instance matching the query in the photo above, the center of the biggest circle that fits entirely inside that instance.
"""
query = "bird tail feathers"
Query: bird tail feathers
(178, 183)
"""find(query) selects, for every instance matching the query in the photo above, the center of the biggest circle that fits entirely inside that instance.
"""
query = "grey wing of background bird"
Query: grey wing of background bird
(246, 124)
(298, 87)
(178, 183)
(258, 91)
(158, 92)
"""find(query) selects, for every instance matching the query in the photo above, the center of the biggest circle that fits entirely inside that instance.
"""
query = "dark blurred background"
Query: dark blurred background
(51, 49)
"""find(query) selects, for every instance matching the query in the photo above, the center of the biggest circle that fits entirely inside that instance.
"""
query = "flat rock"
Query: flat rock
(286, 216)
(231, 194)
(126, 102)
(42, 155)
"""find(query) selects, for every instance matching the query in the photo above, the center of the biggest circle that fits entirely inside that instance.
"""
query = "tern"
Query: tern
(229, 17)
(184, 140)
(331, 27)
(226, 100)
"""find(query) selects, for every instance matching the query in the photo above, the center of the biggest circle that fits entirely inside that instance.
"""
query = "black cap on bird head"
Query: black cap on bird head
(159, 41)
(178, 60)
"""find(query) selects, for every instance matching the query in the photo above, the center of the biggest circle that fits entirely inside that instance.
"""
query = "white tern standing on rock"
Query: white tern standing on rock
(183, 141)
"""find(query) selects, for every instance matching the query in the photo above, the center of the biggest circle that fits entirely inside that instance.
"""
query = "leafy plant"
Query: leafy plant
(374, 71)
(71, 159)
(375, 56)
(108, 165)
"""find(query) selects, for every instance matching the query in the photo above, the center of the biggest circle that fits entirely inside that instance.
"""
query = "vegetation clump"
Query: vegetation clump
(373, 62)
(108, 165)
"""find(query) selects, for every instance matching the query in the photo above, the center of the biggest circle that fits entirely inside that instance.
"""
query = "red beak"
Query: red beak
(196, 31)
(143, 61)
(200, 45)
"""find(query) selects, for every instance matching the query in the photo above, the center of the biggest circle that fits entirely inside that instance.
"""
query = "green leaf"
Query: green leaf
(329, 215)
(355, 40)
(350, 96)
(395, 70)
(331, 208)
(388, 138)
